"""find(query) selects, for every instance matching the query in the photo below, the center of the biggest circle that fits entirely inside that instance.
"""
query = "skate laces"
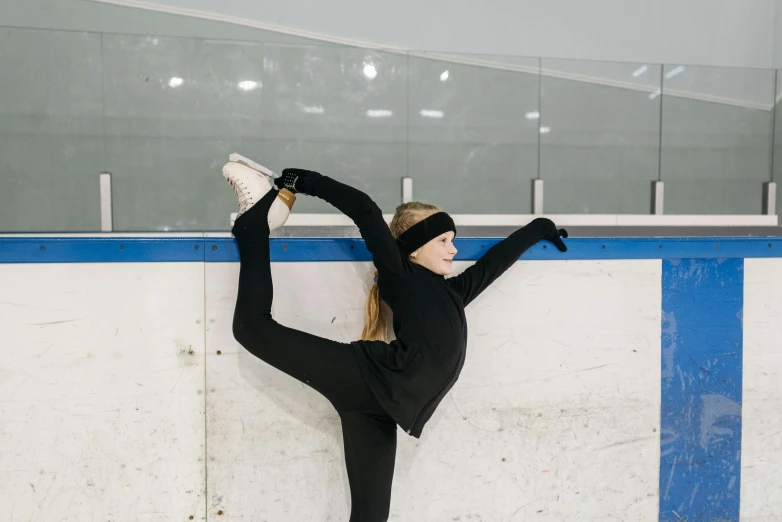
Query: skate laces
(240, 194)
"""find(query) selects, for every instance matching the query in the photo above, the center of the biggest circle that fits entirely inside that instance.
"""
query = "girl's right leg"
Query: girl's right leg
(326, 365)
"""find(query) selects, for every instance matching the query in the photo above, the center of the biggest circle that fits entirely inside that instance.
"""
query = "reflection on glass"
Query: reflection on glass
(248, 85)
(370, 71)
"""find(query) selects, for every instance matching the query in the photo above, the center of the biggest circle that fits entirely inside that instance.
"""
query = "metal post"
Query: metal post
(537, 196)
(407, 190)
(769, 198)
(658, 197)
(106, 216)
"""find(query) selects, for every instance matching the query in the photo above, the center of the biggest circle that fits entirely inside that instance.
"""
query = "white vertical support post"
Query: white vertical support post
(769, 198)
(407, 190)
(537, 196)
(106, 216)
(658, 197)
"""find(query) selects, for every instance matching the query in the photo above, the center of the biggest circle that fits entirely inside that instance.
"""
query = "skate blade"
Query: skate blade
(238, 158)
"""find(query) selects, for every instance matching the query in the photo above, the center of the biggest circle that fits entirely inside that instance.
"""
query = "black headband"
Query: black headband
(424, 231)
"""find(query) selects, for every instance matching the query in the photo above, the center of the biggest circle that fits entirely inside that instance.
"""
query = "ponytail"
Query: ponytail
(376, 319)
(376, 323)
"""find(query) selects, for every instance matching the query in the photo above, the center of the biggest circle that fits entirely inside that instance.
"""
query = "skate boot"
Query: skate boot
(251, 185)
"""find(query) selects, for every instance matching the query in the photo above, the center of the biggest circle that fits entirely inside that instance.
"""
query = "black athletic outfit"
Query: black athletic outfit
(373, 385)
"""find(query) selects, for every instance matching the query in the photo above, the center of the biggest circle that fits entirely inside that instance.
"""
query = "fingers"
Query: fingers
(555, 237)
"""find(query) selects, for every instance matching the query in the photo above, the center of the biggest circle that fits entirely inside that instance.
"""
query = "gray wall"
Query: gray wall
(86, 15)
(705, 32)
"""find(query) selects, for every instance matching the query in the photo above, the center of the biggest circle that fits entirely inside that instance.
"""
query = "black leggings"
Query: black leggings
(327, 366)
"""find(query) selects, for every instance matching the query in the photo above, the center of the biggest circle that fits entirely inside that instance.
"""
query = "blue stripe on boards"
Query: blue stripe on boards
(100, 250)
(700, 443)
(47, 249)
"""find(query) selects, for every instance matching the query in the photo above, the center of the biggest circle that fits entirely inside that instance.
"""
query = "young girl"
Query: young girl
(373, 385)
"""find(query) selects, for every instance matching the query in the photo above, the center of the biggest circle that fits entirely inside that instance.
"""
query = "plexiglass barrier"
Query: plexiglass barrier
(161, 115)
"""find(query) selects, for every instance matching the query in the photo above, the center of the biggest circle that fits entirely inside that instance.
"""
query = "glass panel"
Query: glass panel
(777, 174)
(716, 139)
(175, 109)
(162, 114)
(340, 111)
(471, 148)
(51, 130)
(600, 127)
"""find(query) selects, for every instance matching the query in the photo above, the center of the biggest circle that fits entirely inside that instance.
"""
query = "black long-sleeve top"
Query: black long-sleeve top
(411, 375)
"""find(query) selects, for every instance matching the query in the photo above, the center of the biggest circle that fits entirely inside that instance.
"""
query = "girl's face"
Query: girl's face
(437, 255)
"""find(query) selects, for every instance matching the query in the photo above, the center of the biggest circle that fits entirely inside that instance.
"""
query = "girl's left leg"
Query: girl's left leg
(370, 454)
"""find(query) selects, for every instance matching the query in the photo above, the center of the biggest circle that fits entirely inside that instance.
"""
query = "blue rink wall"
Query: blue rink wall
(627, 379)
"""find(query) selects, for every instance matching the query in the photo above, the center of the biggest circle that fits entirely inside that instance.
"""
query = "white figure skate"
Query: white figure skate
(250, 184)
(238, 158)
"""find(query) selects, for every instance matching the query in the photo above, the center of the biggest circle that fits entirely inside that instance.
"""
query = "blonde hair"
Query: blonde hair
(376, 321)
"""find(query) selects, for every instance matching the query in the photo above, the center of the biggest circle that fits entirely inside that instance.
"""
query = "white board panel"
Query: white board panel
(761, 436)
(275, 445)
(558, 404)
(101, 392)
